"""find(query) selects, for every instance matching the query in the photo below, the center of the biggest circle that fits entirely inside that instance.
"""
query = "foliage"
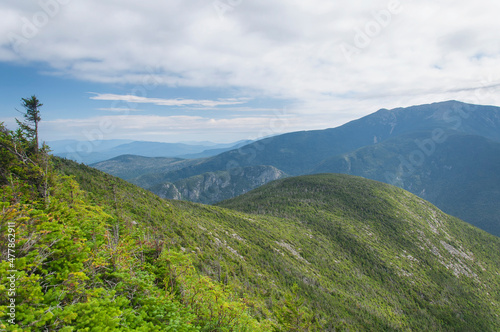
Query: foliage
(20, 162)
(291, 313)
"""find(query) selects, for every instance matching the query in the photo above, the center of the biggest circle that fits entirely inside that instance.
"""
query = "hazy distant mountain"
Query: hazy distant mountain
(214, 145)
(95, 151)
(72, 146)
(215, 151)
(131, 166)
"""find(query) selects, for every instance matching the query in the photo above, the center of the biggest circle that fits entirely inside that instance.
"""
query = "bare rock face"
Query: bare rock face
(212, 187)
(168, 190)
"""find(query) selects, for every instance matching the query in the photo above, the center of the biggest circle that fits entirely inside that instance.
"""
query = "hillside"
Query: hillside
(364, 255)
(106, 259)
(381, 247)
(312, 253)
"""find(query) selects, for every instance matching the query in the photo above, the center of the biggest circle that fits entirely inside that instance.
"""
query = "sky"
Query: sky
(228, 70)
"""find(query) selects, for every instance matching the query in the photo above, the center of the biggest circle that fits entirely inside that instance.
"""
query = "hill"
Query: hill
(106, 259)
(381, 247)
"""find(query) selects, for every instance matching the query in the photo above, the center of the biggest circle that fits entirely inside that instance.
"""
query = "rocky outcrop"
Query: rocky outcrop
(213, 187)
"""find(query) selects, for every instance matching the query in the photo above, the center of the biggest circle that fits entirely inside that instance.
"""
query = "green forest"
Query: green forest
(85, 251)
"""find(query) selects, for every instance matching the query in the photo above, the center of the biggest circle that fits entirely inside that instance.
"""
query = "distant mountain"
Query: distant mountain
(214, 145)
(301, 152)
(385, 138)
(96, 151)
(205, 188)
(72, 146)
(130, 166)
(216, 151)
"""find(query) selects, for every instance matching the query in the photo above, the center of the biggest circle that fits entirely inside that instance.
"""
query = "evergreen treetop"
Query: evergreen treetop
(31, 119)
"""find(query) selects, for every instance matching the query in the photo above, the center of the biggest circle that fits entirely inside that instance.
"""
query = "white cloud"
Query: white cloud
(424, 52)
(133, 99)
(165, 128)
(119, 110)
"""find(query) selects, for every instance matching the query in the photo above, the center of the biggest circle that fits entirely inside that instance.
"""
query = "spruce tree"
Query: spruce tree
(31, 119)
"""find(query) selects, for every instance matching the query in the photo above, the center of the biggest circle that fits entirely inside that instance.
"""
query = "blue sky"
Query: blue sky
(74, 109)
(226, 70)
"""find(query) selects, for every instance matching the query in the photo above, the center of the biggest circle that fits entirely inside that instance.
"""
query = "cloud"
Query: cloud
(119, 110)
(284, 49)
(165, 128)
(132, 99)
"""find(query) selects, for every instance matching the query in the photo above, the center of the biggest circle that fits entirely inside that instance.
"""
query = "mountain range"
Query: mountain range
(94, 151)
(445, 152)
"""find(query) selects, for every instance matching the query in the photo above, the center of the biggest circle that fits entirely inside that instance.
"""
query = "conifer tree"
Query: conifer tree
(31, 119)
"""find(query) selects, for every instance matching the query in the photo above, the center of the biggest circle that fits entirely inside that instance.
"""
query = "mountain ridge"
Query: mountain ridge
(308, 152)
